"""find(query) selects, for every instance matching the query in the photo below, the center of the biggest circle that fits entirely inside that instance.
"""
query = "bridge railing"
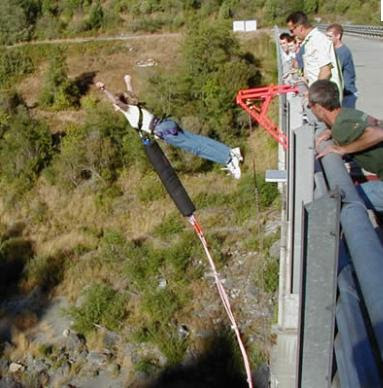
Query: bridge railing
(360, 30)
(330, 313)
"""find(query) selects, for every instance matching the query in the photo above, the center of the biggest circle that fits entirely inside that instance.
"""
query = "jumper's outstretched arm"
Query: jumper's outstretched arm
(101, 86)
(128, 83)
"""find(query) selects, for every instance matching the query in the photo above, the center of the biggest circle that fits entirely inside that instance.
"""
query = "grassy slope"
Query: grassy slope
(70, 228)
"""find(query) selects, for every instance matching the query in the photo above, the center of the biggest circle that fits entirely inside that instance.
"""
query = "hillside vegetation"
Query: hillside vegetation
(86, 227)
(46, 19)
(84, 217)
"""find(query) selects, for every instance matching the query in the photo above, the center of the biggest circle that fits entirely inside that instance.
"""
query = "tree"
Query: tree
(311, 6)
(58, 91)
(205, 85)
(13, 63)
(96, 16)
(93, 151)
(276, 11)
(25, 149)
(13, 23)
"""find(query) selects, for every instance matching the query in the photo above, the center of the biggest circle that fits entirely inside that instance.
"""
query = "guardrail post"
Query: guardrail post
(366, 251)
(318, 291)
(303, 155)
(355, 360)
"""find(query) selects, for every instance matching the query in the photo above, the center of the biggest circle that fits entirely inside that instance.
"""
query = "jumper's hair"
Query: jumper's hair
(123, 100)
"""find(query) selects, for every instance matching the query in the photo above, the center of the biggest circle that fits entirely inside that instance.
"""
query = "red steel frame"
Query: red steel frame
(249, 100)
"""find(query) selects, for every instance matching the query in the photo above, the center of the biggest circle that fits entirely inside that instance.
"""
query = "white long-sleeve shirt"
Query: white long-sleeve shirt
(133, 116)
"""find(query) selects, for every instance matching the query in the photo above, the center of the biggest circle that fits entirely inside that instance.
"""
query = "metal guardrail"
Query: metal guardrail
(336, 281)
(359, 30)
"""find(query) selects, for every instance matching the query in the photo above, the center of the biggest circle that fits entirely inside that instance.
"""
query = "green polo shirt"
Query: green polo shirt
(349, 126)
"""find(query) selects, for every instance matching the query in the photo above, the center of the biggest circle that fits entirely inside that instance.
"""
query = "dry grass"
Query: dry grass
(69, 217)
(73, 220)
(22, 345)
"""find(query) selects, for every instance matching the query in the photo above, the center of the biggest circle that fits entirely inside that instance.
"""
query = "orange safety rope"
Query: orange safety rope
(224, 298)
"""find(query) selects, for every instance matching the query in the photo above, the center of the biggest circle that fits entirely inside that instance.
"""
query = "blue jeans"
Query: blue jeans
(372, 194)
(201, 146)
(349, 100)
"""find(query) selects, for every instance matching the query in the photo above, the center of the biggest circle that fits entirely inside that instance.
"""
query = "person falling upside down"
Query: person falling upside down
(170, 132)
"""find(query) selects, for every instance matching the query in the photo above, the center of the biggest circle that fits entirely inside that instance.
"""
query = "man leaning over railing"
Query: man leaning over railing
(354, 133)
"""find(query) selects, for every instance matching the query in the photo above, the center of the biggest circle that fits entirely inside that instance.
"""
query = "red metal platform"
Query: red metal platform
(256, 103)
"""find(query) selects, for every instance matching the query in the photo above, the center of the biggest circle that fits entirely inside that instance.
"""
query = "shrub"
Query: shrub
(212, 70)
(67, 166)
(158, 309)
(10, 101)
(48, 27)
(133, 152)
(146, 23)
(142, 265)
(58, 92)
(25, 150)
(94, 151)
(13, 63)
(102, 305)
(14, 23)
(179, 255)
(160, 304)
(96, 16)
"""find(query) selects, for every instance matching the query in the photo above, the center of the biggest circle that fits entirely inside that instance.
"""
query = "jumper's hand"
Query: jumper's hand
(100, 85)
(128, 83)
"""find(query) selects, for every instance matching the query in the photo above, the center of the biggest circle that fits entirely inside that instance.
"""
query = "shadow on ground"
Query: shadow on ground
(84, 81)
(22, 305)
(219, 366)
(15, 251)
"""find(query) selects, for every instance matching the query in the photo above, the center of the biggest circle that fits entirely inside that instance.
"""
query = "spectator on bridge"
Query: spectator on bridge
(335, 33)
(319, 59)
(296, 46)
(288, 52)
(289, 64)
(169, 131)
(354, 133)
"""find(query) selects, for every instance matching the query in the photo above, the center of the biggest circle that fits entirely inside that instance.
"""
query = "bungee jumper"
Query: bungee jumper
(169, 131)
(146, 124)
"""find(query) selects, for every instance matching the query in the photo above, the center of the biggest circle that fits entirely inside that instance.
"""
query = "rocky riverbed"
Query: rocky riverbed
(49, 353)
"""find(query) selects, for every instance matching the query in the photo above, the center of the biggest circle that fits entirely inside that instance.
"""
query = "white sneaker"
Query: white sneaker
(233, 167)
(236, 152)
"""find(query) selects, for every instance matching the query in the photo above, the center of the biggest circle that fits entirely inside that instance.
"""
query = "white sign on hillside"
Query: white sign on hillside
(245, 25)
